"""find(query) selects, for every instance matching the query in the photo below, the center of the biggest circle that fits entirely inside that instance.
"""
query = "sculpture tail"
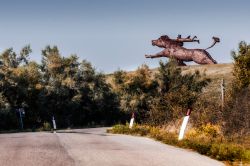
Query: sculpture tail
(216, 40)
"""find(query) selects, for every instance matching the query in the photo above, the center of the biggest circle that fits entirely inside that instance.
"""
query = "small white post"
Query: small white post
(54, 124)
(132, 121)
(184, 125)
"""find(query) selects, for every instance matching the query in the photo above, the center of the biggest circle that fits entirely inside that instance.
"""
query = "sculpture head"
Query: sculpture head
(161, 41)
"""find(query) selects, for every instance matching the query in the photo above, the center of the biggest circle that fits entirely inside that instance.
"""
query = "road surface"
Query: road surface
(92, 147)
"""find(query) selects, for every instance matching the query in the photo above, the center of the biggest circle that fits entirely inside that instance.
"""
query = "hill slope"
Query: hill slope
(212, 71)
(215, 72)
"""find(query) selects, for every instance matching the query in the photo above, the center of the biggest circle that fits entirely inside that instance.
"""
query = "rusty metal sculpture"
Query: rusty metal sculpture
(174, 49)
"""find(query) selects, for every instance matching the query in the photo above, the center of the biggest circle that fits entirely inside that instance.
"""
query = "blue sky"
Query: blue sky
(114, 34)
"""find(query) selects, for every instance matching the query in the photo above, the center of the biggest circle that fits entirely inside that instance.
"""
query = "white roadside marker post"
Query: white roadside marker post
(184, 125)
(54, 124)
(132, 120)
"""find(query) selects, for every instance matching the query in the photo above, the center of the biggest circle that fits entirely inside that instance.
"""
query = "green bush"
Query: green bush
(200, 146)
(227, 152)
(120, 129)
(246, 155)
(136, 130)
(210, 130)
(46, 126)
(169, 138)
(155, 133)
(140, 130)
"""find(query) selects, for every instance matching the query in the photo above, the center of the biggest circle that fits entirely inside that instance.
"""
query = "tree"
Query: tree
(136, 91)
(9, 58)
(176, 93)
(19, 81)
(74, 92)
(237, 112)
(241, 70)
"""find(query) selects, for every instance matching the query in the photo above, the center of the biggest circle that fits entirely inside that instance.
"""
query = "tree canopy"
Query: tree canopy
(72, 91)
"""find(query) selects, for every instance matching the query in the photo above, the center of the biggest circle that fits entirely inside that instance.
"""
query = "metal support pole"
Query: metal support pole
(21, 119)
(222, 94)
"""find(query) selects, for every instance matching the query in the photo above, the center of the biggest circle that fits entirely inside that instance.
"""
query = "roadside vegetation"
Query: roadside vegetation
(207, 140)
(77, 95)
(219, 131)
(71, 91)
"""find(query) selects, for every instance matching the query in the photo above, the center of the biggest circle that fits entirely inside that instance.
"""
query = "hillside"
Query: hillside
(215, 72)
(212, 71)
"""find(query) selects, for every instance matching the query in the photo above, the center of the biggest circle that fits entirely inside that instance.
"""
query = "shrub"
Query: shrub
(120, 129)
(46, 126)
(226, 152)
(246, 155)
(210, 130)
(140, 130)
(155, 133)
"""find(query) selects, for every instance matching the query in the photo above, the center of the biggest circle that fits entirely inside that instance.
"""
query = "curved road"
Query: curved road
(92, 147)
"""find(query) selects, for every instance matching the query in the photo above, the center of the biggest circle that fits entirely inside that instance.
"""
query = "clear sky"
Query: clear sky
(114, 34)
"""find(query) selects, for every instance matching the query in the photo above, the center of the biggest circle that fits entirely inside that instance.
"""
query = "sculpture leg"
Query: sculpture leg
(153, 56)
(158, 55)
(202, 57)
(181, 63)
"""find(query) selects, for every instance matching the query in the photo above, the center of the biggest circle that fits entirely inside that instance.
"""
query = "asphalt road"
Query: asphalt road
(92, 147)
